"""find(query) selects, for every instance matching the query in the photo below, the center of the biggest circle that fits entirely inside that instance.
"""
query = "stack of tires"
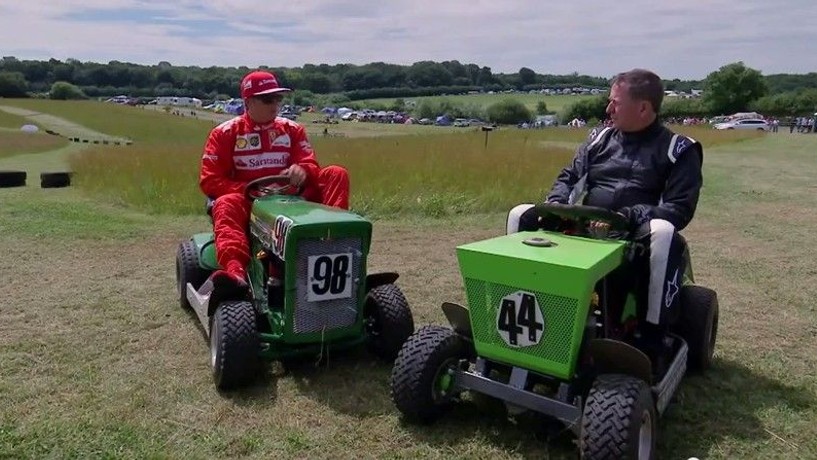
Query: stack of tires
(10, 179)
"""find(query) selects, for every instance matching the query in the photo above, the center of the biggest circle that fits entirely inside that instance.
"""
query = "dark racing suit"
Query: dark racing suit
(652, 177)
(240, 150)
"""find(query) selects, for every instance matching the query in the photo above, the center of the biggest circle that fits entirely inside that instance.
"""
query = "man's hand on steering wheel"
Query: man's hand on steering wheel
(296, 173)
(600, 229)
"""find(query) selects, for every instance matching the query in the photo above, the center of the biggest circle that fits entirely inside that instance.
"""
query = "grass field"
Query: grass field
(99, 361)
(554, 103)
(432, 175)
(142, 126)
(15, 143)
(407, 172)
(11, 121)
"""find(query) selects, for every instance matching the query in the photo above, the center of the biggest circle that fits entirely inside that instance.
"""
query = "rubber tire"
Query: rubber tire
(393, 322)
(611, 420)
(12, 179)
(698, 325)
(415, 369)
(55, 179)
(234, 337)
(188, 270)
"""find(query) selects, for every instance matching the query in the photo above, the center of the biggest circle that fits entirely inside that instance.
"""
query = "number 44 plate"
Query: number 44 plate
(519, 319)
(329, 277)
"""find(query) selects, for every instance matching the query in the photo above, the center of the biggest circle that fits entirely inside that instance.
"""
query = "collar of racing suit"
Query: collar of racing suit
(646, 134)
(257, 126)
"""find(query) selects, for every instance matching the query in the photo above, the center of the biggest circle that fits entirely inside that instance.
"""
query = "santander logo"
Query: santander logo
(261, 161)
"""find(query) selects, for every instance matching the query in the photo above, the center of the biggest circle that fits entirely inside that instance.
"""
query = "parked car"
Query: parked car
(750, 123)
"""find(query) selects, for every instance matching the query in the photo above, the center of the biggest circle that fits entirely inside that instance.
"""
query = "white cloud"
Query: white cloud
(679, 40)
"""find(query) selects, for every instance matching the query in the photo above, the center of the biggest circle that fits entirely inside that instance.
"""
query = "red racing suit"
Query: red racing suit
(240, 150)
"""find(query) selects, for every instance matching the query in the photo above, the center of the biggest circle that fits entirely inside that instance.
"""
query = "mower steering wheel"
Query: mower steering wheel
(583, 214)
(260, 187)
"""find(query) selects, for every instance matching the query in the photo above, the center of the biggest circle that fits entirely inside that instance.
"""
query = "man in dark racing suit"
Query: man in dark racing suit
(649, 175)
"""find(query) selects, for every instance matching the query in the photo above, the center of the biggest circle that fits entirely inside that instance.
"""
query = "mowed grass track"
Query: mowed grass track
(99, 361)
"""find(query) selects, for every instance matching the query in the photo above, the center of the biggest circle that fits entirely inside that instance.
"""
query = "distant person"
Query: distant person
(252, 145)
(649, 175)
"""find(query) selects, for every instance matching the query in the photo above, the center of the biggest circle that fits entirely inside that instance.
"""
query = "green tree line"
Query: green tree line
(732, 88)
(375, 79)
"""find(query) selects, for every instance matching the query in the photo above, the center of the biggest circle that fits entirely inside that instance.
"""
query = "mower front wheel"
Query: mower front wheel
(388, 321)
(234, 345)
(422, 384)
(619, 420)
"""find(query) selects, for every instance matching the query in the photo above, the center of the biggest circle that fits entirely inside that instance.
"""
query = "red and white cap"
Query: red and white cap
(259, 82)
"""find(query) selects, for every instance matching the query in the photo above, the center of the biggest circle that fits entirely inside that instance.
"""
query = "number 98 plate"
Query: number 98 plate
(329, 277)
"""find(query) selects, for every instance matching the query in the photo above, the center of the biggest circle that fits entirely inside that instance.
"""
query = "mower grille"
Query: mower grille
(325, 315)
(559, 314)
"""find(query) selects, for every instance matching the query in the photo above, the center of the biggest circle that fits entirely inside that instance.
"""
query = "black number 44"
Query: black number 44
(515, 317)
(330, 275)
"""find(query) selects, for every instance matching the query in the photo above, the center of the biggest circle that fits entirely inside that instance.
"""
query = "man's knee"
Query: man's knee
(665, 238)
(332, 188)
(660, 228)
(519, 218)
(232, 204)
(334, 173)
(654, 229)
(229, 201)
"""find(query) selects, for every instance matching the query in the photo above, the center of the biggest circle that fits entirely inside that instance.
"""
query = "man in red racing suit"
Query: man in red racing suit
(256, 144)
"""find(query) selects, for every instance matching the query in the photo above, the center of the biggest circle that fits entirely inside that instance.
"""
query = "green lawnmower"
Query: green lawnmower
(551, 328)
(310, 290)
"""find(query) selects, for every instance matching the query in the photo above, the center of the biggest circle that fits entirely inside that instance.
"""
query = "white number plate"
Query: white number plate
(329, 277)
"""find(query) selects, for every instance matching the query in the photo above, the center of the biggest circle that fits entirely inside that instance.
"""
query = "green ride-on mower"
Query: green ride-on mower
(310, 292)
(551, 329)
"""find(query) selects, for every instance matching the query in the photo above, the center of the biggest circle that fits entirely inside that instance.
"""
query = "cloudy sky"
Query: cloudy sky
(680, 39)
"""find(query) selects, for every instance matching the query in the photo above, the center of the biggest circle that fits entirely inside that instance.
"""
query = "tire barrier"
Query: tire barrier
(55, 179)
(91, 141)
(97, 141)
(12, 179)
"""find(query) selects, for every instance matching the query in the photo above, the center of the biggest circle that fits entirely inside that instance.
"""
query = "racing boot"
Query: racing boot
(229, 284)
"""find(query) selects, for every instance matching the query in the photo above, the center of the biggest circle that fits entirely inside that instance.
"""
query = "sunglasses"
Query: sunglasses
(269, 98)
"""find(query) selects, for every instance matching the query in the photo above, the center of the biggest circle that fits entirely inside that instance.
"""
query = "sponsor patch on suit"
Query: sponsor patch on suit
(247, 142)
(280, 141)
(261, 161)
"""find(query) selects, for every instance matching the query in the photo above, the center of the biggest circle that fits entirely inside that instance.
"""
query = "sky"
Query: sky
(684, 39)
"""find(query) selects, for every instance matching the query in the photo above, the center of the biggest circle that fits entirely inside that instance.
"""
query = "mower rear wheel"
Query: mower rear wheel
(619, 420)
(388, 321)
(422, 386)
(234, 345)
(698, 325)
(188, 270)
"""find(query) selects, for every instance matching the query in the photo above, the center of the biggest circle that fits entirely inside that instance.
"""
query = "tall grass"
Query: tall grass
(423, 175)
(446, 174)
